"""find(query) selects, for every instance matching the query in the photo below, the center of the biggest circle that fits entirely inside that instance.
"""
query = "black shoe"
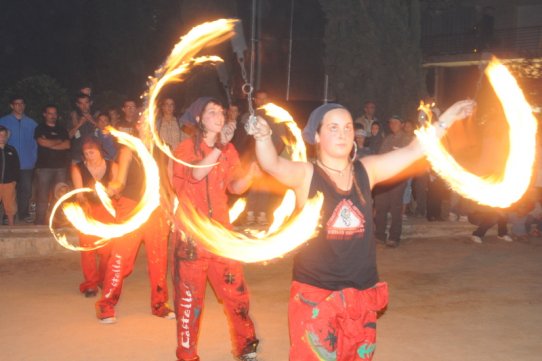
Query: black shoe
(392, 244)
(90, 293)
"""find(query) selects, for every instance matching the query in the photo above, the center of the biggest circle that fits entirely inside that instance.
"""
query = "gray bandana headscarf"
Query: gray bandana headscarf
(316, 117)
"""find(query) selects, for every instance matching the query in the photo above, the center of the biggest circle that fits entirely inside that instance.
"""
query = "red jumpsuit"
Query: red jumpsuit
(94, 263)
(193, 264)
(93, 271)
(154, 233)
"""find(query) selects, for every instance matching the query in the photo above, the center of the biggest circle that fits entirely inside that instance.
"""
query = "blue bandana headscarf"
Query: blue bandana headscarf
(195, 109)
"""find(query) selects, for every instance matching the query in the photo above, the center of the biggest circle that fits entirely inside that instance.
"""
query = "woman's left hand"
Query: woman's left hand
(227, 132)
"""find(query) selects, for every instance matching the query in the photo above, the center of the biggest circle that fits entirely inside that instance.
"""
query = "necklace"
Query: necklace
(97, 171)
(339, 171)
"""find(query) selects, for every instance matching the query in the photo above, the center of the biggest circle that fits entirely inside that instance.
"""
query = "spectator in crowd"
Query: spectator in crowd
(167, 124)
(437, 191)
(420, 184)
(53, 159)
(491, 156)
(82, 125)
(86, 89)
(114, 116)
(485, 218)
(129, 118)
(10, 167)
(205, 188)
(526, 216)
(21, 129)
(94, 168)
(375, 139)
(234, 113)
(408, 128)
(359, 137)
(127, 188)
(368, 117)
(459, 208)
(109, 143)
(388, 198)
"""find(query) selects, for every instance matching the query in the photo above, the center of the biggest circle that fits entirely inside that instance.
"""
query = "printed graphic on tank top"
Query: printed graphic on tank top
(346, 221)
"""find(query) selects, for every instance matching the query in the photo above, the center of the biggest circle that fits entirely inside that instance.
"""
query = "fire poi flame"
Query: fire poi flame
(279, 239)
(105, 231)
(522, 134)
(229, 244)
(221, 241)
(179, 63)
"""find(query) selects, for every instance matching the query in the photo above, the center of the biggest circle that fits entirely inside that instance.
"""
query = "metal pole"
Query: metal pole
(326, 83)
(259, 42)
(290, 51)
(253, 43)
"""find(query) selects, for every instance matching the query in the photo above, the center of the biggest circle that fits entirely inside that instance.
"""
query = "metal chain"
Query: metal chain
(247, 87)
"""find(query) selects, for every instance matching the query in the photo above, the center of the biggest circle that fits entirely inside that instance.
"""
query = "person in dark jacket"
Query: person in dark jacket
(9, 174)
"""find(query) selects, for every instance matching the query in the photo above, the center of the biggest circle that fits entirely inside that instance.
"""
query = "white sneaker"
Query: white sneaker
(506, 238)
(249, 357)
(262, 219)
(453, 217)
(170, 316)
(108, 320)
(463, 219)
(251, 219)
(476, 239)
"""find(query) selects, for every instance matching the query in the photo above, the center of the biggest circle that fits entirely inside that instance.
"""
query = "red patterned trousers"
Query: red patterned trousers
(334, 325)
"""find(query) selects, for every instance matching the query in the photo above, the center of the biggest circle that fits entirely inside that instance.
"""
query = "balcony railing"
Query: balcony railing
(524, 42)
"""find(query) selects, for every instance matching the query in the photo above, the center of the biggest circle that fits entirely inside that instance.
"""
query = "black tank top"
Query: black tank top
(135, 178)
(89, 181)
(342, 255)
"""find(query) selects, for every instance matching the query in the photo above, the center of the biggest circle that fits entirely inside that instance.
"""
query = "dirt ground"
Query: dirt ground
(450, 299)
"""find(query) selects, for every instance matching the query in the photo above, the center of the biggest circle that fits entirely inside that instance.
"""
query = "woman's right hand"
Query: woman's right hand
(459, 110)
(261, 130)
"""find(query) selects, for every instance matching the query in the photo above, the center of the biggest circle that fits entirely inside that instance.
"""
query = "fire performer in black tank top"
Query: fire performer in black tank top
(128, 188)
(336, 293)
(92, 169)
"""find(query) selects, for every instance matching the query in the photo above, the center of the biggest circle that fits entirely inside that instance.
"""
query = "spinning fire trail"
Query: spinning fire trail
(282, 237)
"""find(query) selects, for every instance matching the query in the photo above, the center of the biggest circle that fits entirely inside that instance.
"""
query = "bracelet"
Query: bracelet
(261, 139)
(264, 137)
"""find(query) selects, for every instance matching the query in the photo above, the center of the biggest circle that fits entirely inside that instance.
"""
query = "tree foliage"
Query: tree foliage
(38, 91)
(373, 52)
(110, 43)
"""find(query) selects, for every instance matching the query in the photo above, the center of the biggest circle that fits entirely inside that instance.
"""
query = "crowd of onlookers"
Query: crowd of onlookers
(424, 194)
(36, 157)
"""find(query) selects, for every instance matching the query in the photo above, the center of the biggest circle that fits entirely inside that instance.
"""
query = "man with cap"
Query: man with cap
(389, 197)
(336, 293)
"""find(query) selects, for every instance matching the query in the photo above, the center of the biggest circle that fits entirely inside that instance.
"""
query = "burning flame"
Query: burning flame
(278, 239)
(522, 135)
(177, 65)
(237, 208)
(105, 231)
(238, 246)
(280, 115)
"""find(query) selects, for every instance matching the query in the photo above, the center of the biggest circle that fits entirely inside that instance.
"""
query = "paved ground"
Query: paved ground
(450, 300)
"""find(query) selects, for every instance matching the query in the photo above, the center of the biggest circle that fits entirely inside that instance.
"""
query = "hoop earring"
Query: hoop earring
(353, 158)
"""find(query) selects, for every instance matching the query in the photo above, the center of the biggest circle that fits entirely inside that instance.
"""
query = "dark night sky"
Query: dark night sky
(115, 46)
